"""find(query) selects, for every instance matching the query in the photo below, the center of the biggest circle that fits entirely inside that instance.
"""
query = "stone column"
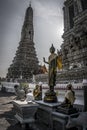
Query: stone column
(79, 5)
(66, 18)
(85, 97)
(75, 8)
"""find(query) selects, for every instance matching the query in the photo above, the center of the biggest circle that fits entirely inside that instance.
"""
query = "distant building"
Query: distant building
(25, 62)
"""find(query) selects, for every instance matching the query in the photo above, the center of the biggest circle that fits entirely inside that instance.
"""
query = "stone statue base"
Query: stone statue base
(50, 97)
(67, 111)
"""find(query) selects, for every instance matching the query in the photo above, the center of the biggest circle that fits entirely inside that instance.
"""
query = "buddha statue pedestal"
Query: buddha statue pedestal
(50, 97)
(66, 110)
(25, 112)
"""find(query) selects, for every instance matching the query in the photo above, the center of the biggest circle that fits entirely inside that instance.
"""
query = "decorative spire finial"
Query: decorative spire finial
(30, 3)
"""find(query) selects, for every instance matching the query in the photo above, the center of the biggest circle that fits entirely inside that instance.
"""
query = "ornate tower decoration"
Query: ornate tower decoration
(74, 48)
(25, 62)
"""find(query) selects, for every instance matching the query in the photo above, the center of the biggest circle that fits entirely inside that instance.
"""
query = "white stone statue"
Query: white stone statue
(20, 93)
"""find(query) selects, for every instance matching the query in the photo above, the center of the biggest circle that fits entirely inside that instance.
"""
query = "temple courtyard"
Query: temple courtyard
(7, 115)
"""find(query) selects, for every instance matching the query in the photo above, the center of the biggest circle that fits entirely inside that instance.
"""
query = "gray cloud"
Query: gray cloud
(48, 27)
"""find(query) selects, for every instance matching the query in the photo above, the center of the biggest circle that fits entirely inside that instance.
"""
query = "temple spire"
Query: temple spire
(25, 61)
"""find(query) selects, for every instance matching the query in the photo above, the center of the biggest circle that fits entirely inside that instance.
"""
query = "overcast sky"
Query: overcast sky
(48, 28)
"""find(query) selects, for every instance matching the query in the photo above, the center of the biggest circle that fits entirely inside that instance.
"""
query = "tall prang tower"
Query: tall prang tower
(74, 47)
(25, 62)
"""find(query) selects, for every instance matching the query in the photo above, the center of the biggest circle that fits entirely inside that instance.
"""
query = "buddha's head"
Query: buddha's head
(52, 49)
